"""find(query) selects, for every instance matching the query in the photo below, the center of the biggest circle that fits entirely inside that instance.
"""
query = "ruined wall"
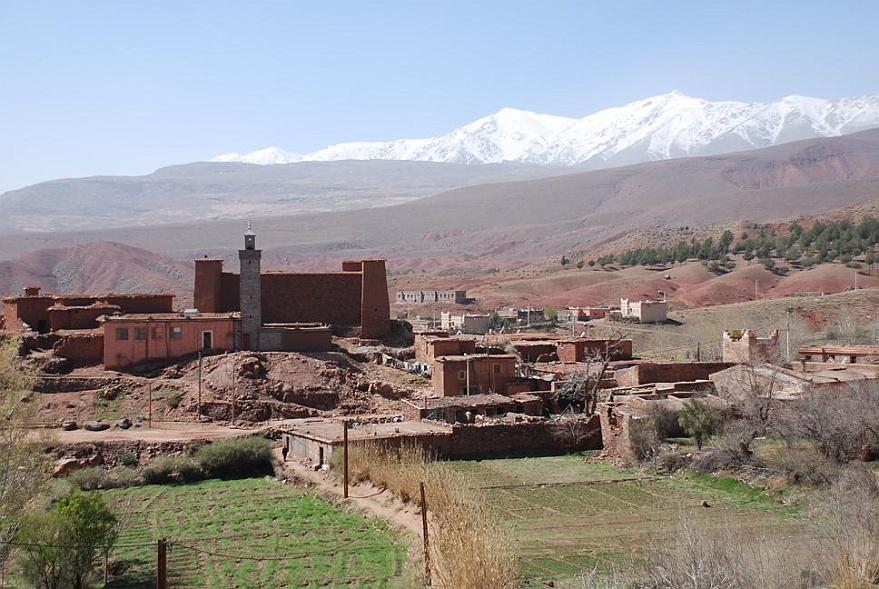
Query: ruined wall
(578, 350)
(667, 372)
(536, 351)
(79, 317)
(140, 303)
(540, 436)
(82, 348)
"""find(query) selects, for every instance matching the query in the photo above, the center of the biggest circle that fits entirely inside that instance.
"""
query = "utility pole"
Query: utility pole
(426, 540)
(199, 384)
(233, 389)
(149, 382)
(162, 564)
(345, 458)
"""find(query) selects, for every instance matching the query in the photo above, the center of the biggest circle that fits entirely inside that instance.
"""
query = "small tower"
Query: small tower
(250, 285)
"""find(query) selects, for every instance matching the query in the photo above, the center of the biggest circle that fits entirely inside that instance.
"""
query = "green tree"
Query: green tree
(90, 531)
(42, 557)
(564, 261)
(698, 420)
(580, 264)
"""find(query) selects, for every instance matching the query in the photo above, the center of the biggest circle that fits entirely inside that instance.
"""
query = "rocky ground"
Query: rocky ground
(264, 386)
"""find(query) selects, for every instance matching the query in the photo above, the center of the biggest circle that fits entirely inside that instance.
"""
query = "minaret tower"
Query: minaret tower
(250, 291)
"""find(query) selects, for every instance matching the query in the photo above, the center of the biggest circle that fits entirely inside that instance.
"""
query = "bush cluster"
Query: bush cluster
(226, 459)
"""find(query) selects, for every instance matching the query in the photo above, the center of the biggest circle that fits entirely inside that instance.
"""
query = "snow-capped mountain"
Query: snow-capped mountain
(662, 127)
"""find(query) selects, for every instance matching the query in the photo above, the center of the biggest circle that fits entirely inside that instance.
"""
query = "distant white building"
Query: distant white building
(644, 311)
(475, 323)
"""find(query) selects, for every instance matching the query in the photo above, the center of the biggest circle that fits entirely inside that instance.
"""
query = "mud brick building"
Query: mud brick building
(45, 313)
(356, 297)
(745, 347)
(482, 373)
(430, 347)
(581, 349)
(854, 354)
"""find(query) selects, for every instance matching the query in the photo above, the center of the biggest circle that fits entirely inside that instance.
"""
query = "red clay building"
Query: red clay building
(355, 297)
(482, 373)
(430, 347)
(131, 340)
(45, 313)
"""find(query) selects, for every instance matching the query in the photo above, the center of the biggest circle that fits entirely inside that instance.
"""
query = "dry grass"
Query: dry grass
(469, 549)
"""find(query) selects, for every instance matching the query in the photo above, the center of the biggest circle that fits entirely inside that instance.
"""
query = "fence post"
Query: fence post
(162, 564)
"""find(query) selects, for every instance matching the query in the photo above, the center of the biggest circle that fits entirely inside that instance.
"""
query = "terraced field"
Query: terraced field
(251, 533)
(570, 515)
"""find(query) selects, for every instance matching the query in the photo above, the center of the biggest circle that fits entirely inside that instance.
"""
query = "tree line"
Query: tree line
(825, 241)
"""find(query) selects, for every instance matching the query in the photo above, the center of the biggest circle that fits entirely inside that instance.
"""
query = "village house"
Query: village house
(473, 374)
(744, 347)
(588, 313)
(138, 339)
(432, 296)
(852, 354)
(430, 347)
(472, 323)
(643, 311)
(45, 313)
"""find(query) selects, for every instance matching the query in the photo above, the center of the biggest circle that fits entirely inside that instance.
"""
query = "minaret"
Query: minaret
(250, 284)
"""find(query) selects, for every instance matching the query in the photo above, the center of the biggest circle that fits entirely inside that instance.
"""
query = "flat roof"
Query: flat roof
(468, 357)
(330, 430)
(141, 317)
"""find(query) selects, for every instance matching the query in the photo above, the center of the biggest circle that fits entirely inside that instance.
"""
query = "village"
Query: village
(510, 382)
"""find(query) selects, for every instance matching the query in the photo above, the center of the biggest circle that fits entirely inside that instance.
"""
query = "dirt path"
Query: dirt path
(380, 503)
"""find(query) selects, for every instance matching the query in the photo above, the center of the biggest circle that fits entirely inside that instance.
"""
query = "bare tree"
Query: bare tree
(24, 468)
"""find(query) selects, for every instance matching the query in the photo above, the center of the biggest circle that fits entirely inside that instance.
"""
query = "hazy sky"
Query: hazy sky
(125, 87)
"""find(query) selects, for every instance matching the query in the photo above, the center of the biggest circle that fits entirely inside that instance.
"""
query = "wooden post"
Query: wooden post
(345, 458)
(233, 389)
(199, 384)
(162, 564)
(426, 540)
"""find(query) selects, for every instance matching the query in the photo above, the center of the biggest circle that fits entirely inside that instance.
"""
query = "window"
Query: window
(140, 332)
(176, 333)
(461, 375)
(497, 368)
(158, 333)
(207, 340)
(121, 333)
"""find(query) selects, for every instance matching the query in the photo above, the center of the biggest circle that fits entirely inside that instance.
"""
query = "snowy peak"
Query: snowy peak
(269, 155)
(661, 127)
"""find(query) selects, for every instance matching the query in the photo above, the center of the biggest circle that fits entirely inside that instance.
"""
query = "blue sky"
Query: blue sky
(125, 87)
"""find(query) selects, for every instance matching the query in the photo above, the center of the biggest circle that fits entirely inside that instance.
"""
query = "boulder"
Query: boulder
(95, 426)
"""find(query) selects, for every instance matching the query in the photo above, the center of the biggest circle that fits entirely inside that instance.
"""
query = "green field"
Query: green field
(569, 515)
(251, 533)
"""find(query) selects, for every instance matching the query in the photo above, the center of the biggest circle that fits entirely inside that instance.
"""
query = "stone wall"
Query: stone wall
(506, 438)
(82, 348)
(667, 372)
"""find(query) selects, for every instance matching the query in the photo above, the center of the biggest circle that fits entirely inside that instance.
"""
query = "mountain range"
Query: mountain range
(662, 127)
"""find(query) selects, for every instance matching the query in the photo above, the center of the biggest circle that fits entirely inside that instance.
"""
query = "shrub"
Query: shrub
(175, 399)
(89, 479)
(236, 459)
(172, 469)
(127, 459)
(698, 420)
